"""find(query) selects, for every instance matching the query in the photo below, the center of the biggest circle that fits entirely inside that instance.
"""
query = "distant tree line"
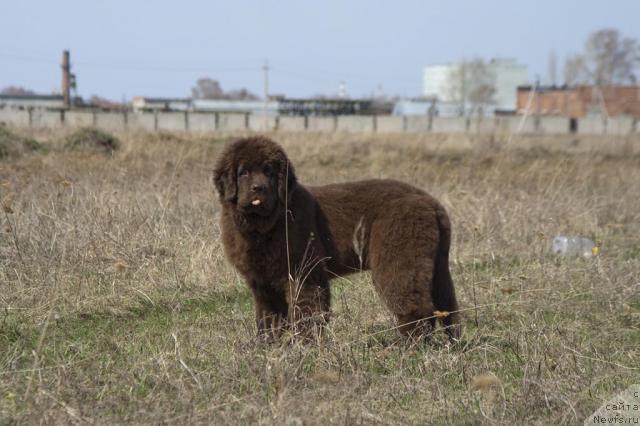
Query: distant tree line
(16, 91)
(609, 58)
(208, 88)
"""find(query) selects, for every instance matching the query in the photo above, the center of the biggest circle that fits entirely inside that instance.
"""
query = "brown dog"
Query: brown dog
(288, 241)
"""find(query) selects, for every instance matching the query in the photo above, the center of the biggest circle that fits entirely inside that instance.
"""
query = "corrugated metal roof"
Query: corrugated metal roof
(32, 97)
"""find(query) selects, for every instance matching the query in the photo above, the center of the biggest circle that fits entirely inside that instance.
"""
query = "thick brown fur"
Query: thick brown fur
(288, 241)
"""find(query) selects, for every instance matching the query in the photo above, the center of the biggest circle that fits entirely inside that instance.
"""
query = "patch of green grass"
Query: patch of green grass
(103, 335)
(11, 331)
(89, 138)
(13, 146)
(632, 252)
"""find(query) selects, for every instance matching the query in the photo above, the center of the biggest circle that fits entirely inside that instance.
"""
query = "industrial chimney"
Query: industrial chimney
(66, 79)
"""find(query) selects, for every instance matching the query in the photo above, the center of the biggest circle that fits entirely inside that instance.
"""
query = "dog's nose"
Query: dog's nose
(258, 188)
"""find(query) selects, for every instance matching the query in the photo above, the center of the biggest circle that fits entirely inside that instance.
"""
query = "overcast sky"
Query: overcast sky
(160, 48)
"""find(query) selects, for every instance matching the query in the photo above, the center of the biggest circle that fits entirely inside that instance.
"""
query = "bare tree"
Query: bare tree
(574, 70)
(207, 88)
(242, 95)
(482, 84)
(100, 102)
(471, 83)
(456, 86)
(609, 58)
(16, 91)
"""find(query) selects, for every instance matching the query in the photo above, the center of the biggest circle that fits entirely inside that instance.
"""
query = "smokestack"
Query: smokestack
(66, 79)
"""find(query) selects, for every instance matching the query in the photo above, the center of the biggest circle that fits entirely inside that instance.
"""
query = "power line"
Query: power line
(311, 75)
(165, 68)
(144, 68)
(314, 75)
(24, 58)
(307, 74)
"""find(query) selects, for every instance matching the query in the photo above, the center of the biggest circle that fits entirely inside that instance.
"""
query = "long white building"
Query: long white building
(508, 75)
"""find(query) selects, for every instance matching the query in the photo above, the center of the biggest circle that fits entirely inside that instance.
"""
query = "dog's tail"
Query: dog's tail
(442, 291)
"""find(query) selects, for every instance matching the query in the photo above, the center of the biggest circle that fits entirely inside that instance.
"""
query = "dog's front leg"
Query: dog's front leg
(309, 305)
(271, 310)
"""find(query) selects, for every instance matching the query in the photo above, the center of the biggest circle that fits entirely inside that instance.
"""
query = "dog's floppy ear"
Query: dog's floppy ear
(224, 179)
(286, 178)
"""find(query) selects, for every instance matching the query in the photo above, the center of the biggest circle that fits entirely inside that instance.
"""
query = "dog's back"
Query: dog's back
(348, 210)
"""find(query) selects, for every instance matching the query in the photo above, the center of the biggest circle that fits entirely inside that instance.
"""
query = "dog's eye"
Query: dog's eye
(243, 173)
(267, 170)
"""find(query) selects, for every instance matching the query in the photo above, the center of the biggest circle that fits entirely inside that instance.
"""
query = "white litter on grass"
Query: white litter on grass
(573, 246)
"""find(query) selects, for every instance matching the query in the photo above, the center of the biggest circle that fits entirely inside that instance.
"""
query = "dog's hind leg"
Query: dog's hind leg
(443, 292)
(444, 298)
(403, 244)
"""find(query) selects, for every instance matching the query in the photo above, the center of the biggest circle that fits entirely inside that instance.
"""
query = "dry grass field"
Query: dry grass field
(117, 305)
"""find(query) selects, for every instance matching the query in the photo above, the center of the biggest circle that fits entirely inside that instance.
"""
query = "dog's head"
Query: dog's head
(254, 177)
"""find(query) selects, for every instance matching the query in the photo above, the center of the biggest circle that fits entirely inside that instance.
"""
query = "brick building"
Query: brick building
(578, 101)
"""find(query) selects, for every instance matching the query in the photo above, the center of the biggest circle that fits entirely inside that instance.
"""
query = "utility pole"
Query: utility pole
(265, 69)
(553, 68)
(66, 79)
